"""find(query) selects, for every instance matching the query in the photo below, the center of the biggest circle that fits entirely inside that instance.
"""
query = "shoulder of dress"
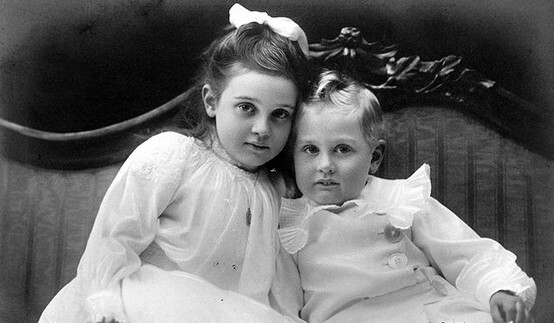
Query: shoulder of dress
(165, 146)
(169, 140)
(162, 157)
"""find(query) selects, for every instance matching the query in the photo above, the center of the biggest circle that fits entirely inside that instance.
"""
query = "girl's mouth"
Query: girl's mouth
(257, 146)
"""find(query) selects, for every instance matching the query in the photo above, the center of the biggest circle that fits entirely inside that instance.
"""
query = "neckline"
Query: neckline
(332, 207)
(220, 152)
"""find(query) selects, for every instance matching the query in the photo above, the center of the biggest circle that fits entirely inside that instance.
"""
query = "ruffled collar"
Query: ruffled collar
(314, 207)
(399, 199)
(379, 195)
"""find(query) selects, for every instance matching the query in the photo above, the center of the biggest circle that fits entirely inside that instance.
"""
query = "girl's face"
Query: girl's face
(253, 116)
(331, 156)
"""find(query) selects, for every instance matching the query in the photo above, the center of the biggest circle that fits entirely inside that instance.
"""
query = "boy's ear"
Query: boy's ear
(209, 99)
(377, 157)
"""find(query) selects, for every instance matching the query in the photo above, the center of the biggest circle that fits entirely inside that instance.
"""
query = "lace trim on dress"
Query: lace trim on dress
(220, 152)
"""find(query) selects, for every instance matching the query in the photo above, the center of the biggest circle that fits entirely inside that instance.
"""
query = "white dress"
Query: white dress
(378, 258)
(179, 230)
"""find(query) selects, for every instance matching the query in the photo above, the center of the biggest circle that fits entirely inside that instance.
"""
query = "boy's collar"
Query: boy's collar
(314, 207)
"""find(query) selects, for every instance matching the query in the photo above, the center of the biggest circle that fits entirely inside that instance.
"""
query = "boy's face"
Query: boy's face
(331, 156)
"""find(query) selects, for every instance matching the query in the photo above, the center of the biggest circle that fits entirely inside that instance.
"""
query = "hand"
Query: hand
(103, 320)
(105, 307)
(506, 307)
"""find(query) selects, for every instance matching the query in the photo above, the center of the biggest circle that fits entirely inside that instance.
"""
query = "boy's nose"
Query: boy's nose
(261, 127)
(326, 164)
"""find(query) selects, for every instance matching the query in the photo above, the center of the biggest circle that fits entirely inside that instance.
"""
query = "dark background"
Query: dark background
(69, 65)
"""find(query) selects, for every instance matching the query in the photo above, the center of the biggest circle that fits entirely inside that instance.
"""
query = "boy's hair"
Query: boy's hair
(350, 98)
(253, 46)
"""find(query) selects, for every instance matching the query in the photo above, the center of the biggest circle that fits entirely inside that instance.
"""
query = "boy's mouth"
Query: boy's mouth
(326, 183)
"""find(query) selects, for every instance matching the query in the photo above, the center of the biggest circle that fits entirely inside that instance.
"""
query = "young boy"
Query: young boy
(376, 250)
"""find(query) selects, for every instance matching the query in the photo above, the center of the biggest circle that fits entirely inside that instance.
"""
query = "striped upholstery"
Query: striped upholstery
(45, 218)
(502, 190)
(499, 188)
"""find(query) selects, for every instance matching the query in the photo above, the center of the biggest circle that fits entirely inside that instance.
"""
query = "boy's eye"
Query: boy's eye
(343, 149)
(310, 150)
(281, 114)
(244, 107)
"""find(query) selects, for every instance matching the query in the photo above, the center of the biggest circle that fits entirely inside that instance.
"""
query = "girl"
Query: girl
(376, 250)
(187, 229)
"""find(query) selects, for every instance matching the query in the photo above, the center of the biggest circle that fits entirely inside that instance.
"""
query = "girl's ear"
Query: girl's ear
(209, 99)
(377, 157)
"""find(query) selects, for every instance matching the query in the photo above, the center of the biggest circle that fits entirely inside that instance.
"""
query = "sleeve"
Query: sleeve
(286, 295)
(127, 222)
(475, 265)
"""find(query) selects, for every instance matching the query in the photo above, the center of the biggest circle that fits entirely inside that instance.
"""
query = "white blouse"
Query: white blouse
(373, 246)
(179, 205)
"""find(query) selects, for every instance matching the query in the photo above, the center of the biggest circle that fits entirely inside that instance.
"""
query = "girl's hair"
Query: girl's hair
(350, 98)
(253, 46)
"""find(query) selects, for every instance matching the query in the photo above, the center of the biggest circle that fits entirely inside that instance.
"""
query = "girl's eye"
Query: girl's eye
(310, 150)
(244, 107)
(343, 149)
(281, 114)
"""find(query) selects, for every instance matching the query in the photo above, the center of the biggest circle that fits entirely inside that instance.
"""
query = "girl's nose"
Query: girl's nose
(261, 127)
(326, 164)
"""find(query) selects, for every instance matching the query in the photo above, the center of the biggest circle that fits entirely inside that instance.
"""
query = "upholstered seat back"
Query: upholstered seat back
(498, 187)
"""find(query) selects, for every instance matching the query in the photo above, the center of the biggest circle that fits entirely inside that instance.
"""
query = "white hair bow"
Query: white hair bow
(238, 16)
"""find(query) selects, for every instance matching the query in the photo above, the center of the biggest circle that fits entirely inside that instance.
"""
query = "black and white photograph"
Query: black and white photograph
(386, 161)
